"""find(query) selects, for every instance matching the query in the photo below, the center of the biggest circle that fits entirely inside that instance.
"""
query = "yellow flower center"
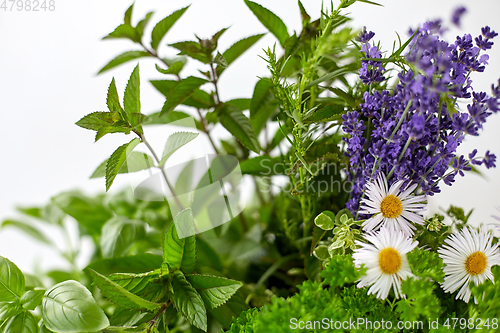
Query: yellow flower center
(391, 206)
(389, 260)
(476, 263)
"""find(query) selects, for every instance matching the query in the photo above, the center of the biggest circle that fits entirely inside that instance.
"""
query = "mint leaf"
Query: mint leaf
(237, 49)
(136, 161)
(117, 159)
(162, 27)
(188, 302)
(11, 281)
(139, 263)
(156, 119)
(192, 49)
(70, 307)
(199, 99)
(220, 60)
(142, 24)
(124, 31)
(262, 104)
(174, 142)
(263, 165)
(241, 103)
(174, 69)
(239, 126)
(181, 92)
(131, 100)
(128, 15)
(135, 283)
(123, 58)
(180, 253)
(118, 234)
(214, 290)
(121, 296)
(96, 120)
(272, 22)
(115, 128)
(113, 102)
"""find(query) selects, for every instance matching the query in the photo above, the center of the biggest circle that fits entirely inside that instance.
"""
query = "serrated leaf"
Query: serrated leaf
(131, 100)
(188, 302)
(136, 161)
(241, 103)
(117, 159)
(325, 220)
(174, 69)
(181, 92)
(113, 102)
(272, 22)
(162, 27)
(262, 104)
(199, 99)
(121, 296)
(11, 281)
(123, 58)
(22, 323)
(96, 120)
(192, 49)
(305, 17)
(216, 36)
(237, 49)
(124, 31)
(239, 126)
(111, 129)
(348, 98)
(174, 142)
(135, 283)
(128, 14)
(32, 298)
(327, 113)
(70, 307)
(139, 263)
(180, 253)
(118, 234)
(220, 60)
(264, 165)
(142, 24)
(27, 229)
(214, 290)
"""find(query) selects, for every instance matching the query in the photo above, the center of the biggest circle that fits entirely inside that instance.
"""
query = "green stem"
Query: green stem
(170, 187)
(400, 157)
(400, 121)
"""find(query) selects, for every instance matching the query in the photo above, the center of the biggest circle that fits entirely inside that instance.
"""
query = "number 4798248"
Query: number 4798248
(28, 5)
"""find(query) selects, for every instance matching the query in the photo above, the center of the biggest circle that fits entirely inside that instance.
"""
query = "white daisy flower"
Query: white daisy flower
(392, 207)
(385, 260)
(468, 256)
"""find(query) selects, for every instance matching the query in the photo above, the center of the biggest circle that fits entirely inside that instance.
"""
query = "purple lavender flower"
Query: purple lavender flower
(489, 160)
(413, 136)
(364, 36)
(457, 15)
(488, 33)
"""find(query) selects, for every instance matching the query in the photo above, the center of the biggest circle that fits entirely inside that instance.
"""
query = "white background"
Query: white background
(48, 66)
